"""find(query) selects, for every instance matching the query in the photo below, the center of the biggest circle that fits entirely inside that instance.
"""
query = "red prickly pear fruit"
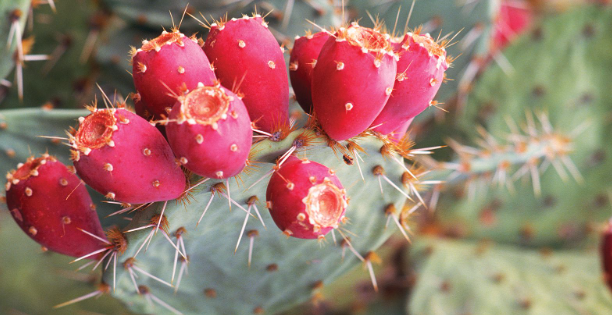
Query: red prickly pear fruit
(398, 134)
(306, 199)
(513, 19)
(420, 72)
(352, 80)
(210, 132)
(304, 56)
(124, 157)
(606, 255)
(49, 203)
(246, 54)
(166, 65)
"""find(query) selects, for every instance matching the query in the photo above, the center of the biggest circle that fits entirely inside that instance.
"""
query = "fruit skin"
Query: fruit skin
(303, 58)
(160, 70)
(246, 54)
(513, 19)
(49, 203)
(217, 150)
(606, 255)
(420, 73)
(398, 134)
(132, 164)
(288, 190)
(350, 87)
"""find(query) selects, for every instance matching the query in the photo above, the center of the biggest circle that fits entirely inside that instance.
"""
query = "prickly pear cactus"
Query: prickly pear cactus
(555, 197)
(284, 271)
(460, 276)
(32, 282)
(14, 14)
(288, 18)
(60, 44)
(474, 19)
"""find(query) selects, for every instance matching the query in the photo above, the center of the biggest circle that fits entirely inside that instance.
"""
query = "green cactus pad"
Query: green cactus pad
(561, 70)
(32, 282)
(69, 82)
(458, 277)
(283, 270)
(7, 61)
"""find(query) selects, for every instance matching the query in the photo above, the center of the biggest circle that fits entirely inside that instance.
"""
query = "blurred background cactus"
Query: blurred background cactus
(513, 228)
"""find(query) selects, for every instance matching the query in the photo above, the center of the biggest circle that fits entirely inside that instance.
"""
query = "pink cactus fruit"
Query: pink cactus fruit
(305, 198)
(49, 203)
(513, 19)
(352, 80)
(124, 157)
(398, 134)
(606, 254)
(246, 54)
(420, 72)
(304, 56)
(210, 132)
(166, 65)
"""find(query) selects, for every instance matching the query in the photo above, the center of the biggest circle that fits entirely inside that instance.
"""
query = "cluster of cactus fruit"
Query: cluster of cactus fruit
(198, 104)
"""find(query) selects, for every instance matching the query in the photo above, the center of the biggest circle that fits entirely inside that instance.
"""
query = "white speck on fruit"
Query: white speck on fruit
(146, 152)
(108, 167)
(348, 106)
(28, 191)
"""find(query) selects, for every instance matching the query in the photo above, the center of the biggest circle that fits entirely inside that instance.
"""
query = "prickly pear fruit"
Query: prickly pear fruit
(352, 80)
(210, 132)
(124, 157)
(606, 255)
(49, 203)
(420, 72)
(305, 198)
(166, 65)
(246, 54)
(513, 18)
(398, 134)
(304, 56)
